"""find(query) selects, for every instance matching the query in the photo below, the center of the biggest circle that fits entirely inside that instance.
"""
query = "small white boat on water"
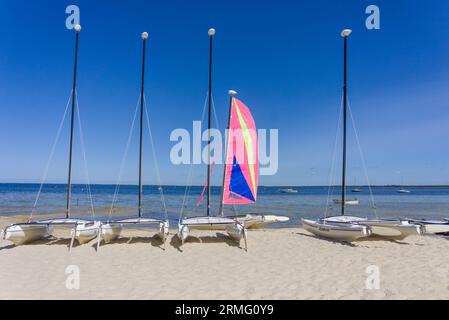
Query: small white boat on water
(349, 202)
(289, 190)
(403, 191)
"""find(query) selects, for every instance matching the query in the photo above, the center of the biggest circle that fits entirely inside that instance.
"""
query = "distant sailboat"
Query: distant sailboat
(289, 190)
(349, 202)
(83, 230)
(402, 189)
(356, 189)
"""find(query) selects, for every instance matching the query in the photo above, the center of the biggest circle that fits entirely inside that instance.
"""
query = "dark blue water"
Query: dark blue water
(18, 199)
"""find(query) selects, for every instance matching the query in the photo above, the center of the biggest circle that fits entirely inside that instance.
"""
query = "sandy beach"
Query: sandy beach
(279, 264)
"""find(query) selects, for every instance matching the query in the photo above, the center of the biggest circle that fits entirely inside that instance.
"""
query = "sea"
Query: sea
(175, 201)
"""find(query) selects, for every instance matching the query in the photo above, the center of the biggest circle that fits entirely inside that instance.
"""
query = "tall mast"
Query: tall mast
(209, 102)
(69, 177)
(345, 34)
(231, 93)
(144, 40)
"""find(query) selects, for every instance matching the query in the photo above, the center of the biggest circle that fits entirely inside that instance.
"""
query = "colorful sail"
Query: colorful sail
(205, 186)
(242, 167)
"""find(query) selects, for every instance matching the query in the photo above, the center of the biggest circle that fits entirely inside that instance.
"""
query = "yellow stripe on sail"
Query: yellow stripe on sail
(248, 144)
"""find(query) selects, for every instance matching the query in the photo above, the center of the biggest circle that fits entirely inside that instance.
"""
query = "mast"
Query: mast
(69, 176)
(209, 102)
(231, 93)
(345, 34)
(144, 39)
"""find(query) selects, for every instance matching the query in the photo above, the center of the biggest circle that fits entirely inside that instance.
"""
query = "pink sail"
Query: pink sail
(204, 188)
(242, 167)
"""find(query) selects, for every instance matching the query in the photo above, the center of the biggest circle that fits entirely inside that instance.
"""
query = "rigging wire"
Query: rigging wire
(52, 152)
(125, 154)
(362, 158)
(156, 166)
(334, 160)
(83, 151)
(189, 175)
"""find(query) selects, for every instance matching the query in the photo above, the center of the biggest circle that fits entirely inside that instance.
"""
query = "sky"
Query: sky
(283, 57)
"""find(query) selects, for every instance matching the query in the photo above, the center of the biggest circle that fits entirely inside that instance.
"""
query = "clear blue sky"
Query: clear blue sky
(284, 57)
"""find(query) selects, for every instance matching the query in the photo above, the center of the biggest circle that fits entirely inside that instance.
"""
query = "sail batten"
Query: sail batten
(241, 171)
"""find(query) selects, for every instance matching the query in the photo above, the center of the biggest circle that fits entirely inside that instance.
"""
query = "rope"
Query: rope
(156, 166)
(363, 160)
(83, 151)
(334, 160)
(189, 175)
(53, 148)
(122, 165)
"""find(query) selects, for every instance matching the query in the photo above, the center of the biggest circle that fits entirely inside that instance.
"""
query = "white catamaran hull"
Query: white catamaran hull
(433, 226)
(25, 233)
(390, 229)
(110, 232)
(347, 232)
(258, 221)
(183, 232)
(163, 230)
(436, 228)
(235, 229)
(393, 230)
(86, 232)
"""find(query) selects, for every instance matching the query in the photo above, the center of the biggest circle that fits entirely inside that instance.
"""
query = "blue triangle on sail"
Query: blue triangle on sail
(238, 184)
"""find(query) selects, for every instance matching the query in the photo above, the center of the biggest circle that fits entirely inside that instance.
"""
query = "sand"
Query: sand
(279, 264)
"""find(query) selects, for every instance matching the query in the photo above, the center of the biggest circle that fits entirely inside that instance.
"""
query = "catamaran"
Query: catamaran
(239, 177)
(81, 229)
(351, 228)
(111, 230)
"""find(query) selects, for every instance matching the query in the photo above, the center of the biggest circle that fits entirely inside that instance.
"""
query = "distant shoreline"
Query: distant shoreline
(262, 186)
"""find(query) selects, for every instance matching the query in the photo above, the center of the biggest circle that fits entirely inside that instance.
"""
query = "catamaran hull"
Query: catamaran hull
(86, 232)
(397, 231)
(257, 221)
(235, 229)
(183, 233)
(25, 233)
(110, 232)
(436, 228)
(163, 230)
(433, 226)
(348, 232)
